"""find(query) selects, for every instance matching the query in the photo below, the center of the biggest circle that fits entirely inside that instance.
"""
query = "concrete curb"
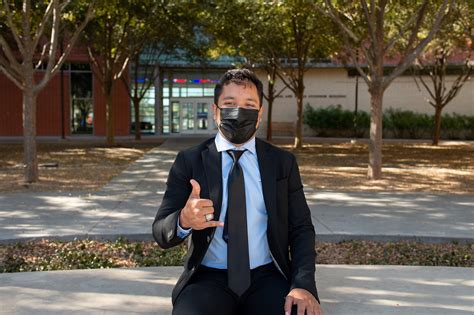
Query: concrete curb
(343, 289)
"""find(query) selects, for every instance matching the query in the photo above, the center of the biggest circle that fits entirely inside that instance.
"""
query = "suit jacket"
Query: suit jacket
(290, 232)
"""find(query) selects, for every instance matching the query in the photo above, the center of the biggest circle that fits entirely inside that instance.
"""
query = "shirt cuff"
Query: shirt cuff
(183, 232)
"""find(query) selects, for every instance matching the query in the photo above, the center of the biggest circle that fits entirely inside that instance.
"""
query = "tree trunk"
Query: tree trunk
(109, 114)
(437, 124)
(299, 118)
(270, 100)
(269, 120)
(136, 107)
(375, 141)
(29, 135)
(136, 100)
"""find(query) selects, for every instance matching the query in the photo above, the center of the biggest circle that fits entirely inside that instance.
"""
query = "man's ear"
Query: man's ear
(214, 111)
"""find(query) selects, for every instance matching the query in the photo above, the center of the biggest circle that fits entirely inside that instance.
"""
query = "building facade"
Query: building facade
(180, 100)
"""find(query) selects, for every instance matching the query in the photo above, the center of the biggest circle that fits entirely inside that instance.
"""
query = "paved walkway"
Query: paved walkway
(343, 289)
(128, 204)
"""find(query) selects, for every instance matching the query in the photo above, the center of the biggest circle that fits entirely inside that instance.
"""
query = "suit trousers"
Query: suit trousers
(207, 293)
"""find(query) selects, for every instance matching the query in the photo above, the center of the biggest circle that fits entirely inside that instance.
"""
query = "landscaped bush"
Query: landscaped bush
(454, 126)
(46, 255)
(334, 121)
(86, 254)
(405, 124)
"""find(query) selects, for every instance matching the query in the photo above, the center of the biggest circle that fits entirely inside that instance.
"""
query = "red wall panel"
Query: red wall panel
(49, 108)
(10, 108)
(121, 105)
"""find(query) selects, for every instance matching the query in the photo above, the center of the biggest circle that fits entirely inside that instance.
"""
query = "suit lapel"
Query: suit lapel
(268, 176)
(213, 169)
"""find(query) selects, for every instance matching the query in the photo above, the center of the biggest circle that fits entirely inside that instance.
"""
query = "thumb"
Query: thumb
(195, 193)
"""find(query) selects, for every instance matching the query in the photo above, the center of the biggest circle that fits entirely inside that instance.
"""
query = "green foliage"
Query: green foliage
(87, 254)
(333, 121)
(453, 125)
(410, 253)
(407, 124)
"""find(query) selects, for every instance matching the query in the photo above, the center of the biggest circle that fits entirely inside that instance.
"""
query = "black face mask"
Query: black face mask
(238, 124)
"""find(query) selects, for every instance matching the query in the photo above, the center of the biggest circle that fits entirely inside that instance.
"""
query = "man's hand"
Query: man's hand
(304, 300)
(195, 210)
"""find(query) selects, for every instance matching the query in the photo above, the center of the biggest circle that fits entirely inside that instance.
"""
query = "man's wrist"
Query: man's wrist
(180, 222)
(181, 232)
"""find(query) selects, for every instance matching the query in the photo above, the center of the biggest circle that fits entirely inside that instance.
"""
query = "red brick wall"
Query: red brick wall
(121, 105)
(10, 108)
(49, 108)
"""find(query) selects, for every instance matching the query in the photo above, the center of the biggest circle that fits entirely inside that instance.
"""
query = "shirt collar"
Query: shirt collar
(222, 144)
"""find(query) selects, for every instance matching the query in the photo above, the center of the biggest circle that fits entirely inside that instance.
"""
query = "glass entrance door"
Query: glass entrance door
(82, 104)
(187, 117)
(193, 116)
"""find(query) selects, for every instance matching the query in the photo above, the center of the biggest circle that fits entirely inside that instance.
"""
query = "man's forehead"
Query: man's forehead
(243, 83)
(249, 88)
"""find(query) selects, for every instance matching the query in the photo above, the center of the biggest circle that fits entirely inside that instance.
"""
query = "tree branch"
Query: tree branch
(52, 47)
(400, 33)
(96, 66)
(52, 71)
(370, 20)
(43, 52)
(44, 21)
(408, 59)
(419, 20)
(13, 62)
(331, 13)
(11, 73)
(13, 29)
(459, 83)
(425, 85)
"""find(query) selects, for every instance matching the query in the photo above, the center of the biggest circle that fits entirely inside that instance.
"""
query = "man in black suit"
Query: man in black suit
(259, 256)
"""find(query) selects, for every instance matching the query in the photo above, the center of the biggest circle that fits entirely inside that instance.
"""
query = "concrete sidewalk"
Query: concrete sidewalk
(127, 206)
(343, 289)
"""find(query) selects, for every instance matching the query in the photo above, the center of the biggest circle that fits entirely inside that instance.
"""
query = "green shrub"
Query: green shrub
(453, 125)
(407, 124)
(87, 254)
(334, 121)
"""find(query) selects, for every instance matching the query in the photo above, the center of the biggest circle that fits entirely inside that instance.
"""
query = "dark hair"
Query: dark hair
(239, 77)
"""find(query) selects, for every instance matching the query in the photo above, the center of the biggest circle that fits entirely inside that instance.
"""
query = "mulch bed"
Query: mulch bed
(81, 166)
(410, 167)
(44, 255)
(407, 167)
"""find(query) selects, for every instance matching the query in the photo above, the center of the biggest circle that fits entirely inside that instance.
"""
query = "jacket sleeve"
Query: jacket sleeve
(301, 235)
(178, 188)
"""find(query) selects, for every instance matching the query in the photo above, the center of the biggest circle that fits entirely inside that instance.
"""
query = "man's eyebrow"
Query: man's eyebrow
(233, 98)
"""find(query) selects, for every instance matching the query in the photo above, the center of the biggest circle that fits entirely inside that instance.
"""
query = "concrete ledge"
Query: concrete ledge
(343, 289)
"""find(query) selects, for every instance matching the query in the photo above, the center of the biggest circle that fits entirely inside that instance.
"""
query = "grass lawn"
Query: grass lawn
(332, 166)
